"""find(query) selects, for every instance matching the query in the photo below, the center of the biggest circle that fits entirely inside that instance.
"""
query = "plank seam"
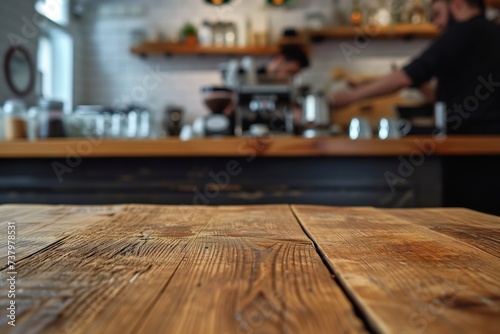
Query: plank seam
(369, 324)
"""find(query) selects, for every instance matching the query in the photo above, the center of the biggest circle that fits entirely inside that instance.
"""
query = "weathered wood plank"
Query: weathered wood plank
(476, 229)
(405, 277)
(253, 270)
(38, 227)
(182, 270)
(100, 275)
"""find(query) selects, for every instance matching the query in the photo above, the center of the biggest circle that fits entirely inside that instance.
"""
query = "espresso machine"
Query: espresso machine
(264, 106)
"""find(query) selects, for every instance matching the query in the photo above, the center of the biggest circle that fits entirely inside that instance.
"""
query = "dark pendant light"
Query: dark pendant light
(279, 3)
(218, 2)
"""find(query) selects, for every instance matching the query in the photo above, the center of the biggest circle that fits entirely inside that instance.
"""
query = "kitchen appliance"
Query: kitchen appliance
(218, 100)
(316, 116)
(212, 126)
(269, 102)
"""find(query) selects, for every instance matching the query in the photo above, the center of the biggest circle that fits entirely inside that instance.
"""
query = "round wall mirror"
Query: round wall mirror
(19, 71)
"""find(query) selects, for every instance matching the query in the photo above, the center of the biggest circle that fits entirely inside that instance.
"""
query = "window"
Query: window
(55, 53)
(45, 66)
(55, 10)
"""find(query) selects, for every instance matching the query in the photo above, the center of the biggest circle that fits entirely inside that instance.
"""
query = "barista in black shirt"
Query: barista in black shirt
(290, 61)
(466, 62)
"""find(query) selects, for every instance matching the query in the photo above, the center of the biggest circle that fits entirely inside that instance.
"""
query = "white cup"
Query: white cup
(391, 128)
(360, 128)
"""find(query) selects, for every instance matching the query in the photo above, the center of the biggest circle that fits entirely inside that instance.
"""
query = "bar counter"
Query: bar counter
(244, 147)
(413, 172)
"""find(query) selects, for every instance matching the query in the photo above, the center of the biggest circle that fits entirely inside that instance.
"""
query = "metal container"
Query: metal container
(316, 116)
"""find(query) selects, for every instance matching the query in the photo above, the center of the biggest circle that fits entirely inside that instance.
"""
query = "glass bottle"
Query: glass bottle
(356, 14)
(206, 34)
(219, 34)
(398, 11)
(383, 15)
(417, 12)
(230, 35)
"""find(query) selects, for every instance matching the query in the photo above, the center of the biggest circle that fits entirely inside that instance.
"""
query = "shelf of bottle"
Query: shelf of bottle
(425, 30)
(167, 48)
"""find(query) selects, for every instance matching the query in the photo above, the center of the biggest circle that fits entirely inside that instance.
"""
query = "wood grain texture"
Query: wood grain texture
(406, 277)
(248, 147)
(39, 227)
(144, 269)
(253, 270)
(475, 229)
(91, 278)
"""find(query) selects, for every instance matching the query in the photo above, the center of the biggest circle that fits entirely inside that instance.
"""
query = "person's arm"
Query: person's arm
(440, 57)
(429, 91)
(386, 85)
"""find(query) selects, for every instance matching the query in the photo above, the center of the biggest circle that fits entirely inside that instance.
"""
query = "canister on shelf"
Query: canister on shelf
(50, 119)
(14, 120)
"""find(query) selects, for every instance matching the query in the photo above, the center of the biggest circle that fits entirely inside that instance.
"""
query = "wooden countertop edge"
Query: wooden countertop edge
(245, 147)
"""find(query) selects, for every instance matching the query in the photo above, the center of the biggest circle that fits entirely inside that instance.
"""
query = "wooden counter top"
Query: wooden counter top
(244, 147)
(259, 269)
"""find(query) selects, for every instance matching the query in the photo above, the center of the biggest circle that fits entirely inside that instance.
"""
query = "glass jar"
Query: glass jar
(219, 34)
(206, 34)
(230, 35)
(50, 119)
(417, 12)
(14, 120)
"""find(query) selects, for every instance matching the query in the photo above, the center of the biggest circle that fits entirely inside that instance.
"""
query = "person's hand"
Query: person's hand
(274, 66)
(341, 99)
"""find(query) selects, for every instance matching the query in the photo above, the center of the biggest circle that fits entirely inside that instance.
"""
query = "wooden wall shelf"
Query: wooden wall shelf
(165, 48)
(393, 31)
(232, 147)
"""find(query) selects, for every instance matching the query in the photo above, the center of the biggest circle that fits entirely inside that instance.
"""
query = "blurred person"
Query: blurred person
(466, 62)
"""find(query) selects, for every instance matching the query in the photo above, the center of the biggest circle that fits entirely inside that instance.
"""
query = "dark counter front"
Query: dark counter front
(395, 176)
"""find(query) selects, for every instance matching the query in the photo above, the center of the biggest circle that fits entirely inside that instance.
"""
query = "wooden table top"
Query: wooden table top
(245, 147)
(261, 269)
